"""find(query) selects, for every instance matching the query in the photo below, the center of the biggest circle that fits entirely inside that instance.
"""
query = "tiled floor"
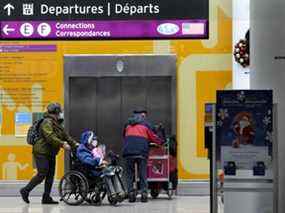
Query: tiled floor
(177, 205)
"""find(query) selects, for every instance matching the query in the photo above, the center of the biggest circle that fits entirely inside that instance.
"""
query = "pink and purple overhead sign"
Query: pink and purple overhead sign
(147, 29)
(104, 19)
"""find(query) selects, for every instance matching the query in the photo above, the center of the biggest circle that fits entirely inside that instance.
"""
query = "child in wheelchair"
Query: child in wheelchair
(92, 155)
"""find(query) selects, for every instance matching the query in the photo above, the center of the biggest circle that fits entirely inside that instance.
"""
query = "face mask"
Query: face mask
(61, 116)
(243, 124)
(94, 143)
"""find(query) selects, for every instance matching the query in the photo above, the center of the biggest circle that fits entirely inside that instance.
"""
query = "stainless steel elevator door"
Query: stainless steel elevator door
(108, 116)
(103, 104)
(82, 110)
(159, 99)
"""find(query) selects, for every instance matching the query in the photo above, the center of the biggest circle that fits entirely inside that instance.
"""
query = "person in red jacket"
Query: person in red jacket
(137, 136)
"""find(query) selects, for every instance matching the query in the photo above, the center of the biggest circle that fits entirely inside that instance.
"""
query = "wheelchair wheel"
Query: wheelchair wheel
(112, 200)
(73, 188)
(95, 197)
(154, 193)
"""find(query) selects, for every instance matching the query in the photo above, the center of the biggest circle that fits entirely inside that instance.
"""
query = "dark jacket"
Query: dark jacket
(137, 136)
(53, 137)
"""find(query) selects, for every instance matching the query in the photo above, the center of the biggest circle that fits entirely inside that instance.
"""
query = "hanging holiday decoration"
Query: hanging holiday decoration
(241, 51)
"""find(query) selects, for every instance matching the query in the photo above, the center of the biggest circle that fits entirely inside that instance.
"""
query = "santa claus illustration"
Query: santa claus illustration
(243, 128)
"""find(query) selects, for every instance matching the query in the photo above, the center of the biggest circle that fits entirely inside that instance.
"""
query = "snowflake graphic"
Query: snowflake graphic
(219, 123)
(267, 120)
(223, 114)
(241, 96)
(269, 136)
(269, 112)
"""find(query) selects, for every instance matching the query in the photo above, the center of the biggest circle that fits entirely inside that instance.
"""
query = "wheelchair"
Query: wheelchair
(80, 185)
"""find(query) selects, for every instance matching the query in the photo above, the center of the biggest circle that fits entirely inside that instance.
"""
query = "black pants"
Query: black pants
(142, 173)
(46, 169)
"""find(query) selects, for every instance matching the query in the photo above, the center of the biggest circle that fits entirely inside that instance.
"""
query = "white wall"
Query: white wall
(267, 19)
(240, 27)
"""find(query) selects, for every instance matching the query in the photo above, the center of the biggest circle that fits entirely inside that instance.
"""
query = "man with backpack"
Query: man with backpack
(47, 137)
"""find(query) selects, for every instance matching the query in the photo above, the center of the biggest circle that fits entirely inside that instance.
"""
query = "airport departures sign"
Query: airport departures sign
(104, 19)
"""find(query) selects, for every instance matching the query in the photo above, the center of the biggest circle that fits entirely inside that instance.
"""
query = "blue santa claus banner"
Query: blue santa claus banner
(244, 127)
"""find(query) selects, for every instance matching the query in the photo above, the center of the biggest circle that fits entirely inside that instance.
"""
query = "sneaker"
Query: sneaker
(48, 200)
(24, 195)
(144, 197)
(132, 197)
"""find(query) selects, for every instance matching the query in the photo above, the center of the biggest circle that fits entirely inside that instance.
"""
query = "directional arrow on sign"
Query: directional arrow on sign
(9, 7)
(7, 30)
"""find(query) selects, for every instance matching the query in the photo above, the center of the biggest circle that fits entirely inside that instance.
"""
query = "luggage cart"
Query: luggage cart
(161, 171)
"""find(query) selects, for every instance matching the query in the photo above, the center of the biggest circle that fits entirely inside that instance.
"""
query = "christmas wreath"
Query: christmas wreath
(241, 51)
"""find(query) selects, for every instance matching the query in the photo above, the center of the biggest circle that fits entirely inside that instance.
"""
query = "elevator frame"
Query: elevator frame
(86, 65)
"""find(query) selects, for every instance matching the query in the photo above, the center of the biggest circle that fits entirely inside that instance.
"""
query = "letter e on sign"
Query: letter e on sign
(27, 29)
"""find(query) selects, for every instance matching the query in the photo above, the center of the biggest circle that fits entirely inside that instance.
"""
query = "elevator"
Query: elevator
(101, 91)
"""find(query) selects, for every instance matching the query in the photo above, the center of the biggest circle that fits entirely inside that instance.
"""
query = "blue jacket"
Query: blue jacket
(137, 136)
(85, 155)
